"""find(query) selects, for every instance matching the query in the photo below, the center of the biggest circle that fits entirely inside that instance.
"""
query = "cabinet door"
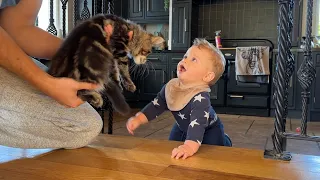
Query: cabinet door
(315, 101)
(292, 83)
(136, 9)
(155, 9)
(316, 91)
(217, 94)
(180, 26)
(174, 59)
(154, 78)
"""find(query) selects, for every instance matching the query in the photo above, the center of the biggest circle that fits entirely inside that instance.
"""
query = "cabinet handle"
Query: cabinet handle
(235, 96)
(185, 25)
(139, 5)
(147, 5)
(163, 77)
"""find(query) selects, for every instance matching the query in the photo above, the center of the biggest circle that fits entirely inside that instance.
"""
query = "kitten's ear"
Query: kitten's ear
(108, 29)
(130, 34)
(156, 40)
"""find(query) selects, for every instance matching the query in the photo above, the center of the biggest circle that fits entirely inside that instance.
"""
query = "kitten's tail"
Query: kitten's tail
(117, 99)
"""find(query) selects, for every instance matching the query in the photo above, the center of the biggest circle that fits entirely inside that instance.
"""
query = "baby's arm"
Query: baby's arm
(200, 106)
(149, 112)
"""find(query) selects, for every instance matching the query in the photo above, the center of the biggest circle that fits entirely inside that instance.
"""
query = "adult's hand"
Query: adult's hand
(64, 91)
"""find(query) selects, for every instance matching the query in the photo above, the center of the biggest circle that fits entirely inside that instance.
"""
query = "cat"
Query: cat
(85, 55)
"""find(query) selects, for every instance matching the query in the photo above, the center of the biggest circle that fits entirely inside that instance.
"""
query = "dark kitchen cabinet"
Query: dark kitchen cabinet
(136, 9)
(180, 26)
(315, 98)
(173, 60)
(316, 91)
(292, 82)
(184, 24)
(144, 11)
(155, 8)
(294, 97)
(153, 79)
(217, 94)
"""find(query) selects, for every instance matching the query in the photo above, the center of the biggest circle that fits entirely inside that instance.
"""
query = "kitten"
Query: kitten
(86, 56)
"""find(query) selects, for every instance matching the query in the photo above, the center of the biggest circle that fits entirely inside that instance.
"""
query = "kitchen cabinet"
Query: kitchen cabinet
(292, 83)
(144, 11)
(173, 60)
(153, 79)
(315, 98)
(155, 8)
(184, 24)
(136, 9)
(294, 97)
(180, 27)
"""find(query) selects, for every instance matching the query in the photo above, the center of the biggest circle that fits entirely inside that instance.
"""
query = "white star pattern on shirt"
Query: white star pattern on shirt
(194, 122)
(199, 142)
(206, 115)
(181, 116)
(198, 98)
(155, 102)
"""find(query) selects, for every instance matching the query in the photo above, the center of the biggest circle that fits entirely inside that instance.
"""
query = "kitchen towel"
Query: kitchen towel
(252, 64)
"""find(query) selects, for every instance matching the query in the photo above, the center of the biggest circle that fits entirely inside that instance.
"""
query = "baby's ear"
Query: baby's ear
(209, 77)
(130, 34)
(156, 40)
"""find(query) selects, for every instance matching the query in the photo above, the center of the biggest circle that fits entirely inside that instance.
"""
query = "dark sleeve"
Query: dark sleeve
(200, 107)
(157, 106)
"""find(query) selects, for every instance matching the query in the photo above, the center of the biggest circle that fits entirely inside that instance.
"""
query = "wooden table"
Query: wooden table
(124, 157)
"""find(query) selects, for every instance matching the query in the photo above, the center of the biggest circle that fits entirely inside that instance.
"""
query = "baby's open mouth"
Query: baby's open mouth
(182, 68)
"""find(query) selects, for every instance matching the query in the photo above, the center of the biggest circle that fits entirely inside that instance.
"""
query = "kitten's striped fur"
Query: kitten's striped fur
(86, 56)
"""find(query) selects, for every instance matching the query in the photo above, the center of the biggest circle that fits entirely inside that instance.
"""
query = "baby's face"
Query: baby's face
(194, 66)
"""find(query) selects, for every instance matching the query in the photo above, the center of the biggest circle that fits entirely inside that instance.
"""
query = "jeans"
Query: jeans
(214, 135)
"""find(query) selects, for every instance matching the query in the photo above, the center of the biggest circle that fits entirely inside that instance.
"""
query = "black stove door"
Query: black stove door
(238, 87)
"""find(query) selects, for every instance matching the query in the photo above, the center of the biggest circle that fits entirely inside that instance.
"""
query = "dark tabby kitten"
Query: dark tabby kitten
(86, 56)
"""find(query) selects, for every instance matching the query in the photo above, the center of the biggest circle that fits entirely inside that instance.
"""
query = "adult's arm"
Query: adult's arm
(18, 21)
(14, 59)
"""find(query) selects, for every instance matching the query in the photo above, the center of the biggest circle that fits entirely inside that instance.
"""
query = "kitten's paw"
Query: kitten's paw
(96, 100)
(130, 87)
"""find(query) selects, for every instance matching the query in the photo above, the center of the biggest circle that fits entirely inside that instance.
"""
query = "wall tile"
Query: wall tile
(239, 18)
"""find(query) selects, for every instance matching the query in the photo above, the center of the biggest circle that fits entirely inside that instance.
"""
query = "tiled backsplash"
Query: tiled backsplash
(239, 19)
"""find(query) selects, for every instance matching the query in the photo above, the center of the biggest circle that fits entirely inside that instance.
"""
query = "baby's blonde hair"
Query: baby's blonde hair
(217, 58)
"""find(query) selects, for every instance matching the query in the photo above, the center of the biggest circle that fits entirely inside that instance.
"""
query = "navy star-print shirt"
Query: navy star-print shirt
(193, 119)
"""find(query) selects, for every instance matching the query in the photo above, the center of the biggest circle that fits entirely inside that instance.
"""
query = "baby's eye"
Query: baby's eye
(184, 57)
(194, 60)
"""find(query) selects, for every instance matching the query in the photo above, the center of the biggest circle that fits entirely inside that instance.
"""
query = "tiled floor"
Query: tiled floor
(245, 131)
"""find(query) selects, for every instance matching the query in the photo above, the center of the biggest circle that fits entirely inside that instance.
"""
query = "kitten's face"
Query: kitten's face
(141, 46)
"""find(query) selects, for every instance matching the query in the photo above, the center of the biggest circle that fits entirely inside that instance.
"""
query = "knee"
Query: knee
(89, 132)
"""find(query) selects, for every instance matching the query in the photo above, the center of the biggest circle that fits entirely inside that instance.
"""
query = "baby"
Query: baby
(188, 98)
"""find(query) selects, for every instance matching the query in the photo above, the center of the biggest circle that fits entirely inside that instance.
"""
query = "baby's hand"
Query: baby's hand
(185, 150)
(135, 121)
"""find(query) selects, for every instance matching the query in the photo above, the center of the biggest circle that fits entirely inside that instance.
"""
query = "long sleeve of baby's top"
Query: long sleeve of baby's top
(157, 106)
(200, 107)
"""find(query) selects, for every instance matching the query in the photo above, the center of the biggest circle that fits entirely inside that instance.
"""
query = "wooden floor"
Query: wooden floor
(118, 157)
(147, 156)
(245, 131)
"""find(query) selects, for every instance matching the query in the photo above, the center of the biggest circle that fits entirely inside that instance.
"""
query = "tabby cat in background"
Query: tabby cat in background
(86, 55)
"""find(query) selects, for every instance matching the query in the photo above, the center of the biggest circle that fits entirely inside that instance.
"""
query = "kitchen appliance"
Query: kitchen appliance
(244, 98)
